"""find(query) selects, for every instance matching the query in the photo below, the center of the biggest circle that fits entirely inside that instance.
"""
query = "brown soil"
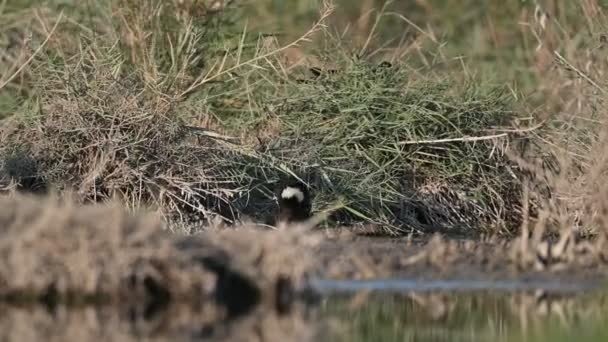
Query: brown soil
(446, 258)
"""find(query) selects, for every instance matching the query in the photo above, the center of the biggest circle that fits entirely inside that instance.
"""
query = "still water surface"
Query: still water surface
(466, 311)
(348, 311)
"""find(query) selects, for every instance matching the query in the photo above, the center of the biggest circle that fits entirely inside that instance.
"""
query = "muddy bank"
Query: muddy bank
(435, 258)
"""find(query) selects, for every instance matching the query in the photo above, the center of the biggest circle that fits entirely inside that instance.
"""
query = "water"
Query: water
(466, 311)
(387, 310)
(400, 285)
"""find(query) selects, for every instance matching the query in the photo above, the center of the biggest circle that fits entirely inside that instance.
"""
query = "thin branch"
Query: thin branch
(463, 139)
(328, 10)
(411, 23)
(565, 62)
(29, 60)
(505, 133)
(211, 134)
(524, 130)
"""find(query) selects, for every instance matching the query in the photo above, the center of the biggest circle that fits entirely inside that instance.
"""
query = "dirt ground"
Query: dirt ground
(435, 258)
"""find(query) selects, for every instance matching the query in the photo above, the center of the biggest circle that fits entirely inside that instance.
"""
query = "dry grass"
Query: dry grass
(56, 244)
(565, 196)
(53, 250)
(117, 140)
(112, 115)
(112, 123)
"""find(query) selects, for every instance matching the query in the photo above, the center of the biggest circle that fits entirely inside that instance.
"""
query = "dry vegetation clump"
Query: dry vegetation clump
(109, 118)
(398, 149)
(102, 135)
(122, 103)
(564, 214)
(102, 120)
(55, 251)
(113, 115)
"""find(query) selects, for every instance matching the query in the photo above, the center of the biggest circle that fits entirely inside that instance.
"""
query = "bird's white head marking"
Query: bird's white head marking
(291, 192)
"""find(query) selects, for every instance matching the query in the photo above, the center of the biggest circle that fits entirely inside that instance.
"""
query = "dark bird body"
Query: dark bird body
(294, 204)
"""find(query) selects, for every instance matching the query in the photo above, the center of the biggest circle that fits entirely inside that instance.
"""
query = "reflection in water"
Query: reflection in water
(360, 316)
(176, 323)
(487, 316)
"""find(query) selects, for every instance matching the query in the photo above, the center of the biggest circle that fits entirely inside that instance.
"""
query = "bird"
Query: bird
(294, 203)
